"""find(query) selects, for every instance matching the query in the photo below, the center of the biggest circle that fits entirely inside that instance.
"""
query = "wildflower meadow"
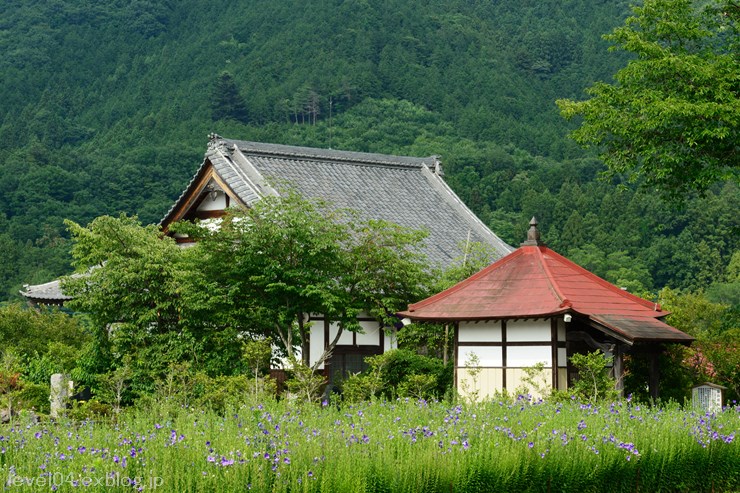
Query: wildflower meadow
(380, 446)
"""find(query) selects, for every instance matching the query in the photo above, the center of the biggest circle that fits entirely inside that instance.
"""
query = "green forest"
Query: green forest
(106, 109)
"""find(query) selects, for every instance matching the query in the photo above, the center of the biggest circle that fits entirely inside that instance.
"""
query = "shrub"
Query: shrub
(34, 397)
(92, 409)
(399, 372)
(593, 383)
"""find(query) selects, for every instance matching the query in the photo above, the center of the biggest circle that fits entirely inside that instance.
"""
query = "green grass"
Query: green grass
(395, 446)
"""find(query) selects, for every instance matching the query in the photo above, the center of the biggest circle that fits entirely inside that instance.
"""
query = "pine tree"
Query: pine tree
(227, 102)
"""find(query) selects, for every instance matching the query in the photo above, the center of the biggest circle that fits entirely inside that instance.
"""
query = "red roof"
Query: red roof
(534, 281)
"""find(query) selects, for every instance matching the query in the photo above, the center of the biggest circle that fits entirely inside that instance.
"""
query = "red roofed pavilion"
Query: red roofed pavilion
(535, 305)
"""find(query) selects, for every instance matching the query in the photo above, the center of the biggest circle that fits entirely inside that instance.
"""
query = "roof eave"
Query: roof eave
(478, 318)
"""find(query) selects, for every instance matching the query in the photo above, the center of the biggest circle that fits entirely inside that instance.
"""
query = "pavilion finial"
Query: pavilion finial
(533, 234)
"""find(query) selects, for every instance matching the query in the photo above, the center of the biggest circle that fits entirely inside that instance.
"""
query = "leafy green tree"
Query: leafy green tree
(672, 118)
(30, 331)
(269, 266)
(132, 283)
(715, 355)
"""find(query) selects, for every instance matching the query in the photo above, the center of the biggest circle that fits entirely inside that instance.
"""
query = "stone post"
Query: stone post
(59, 394)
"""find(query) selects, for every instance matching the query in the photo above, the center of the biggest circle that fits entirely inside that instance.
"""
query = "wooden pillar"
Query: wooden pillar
(455, 363)
(619, 369)
(654, 355)
(554, 351)
(504, 363)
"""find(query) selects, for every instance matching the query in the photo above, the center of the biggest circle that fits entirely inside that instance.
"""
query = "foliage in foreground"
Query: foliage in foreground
(382, 446)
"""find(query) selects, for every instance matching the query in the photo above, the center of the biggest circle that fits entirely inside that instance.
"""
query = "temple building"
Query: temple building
(534, 306)
(409, 191)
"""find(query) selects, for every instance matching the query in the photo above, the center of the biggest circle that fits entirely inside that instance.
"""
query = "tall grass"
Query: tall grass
(381, 446)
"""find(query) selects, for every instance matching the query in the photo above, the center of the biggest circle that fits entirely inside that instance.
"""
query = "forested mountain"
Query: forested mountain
(106, 107)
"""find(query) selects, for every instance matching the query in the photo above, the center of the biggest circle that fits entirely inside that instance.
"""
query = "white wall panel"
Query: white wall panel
(209, 204)
(487, 331)
(317, 342)
(390, 341)
(371, 335)
(488, 355)
(523, 356)
(489, 382)
(528, 331)
(562, 357)
(344, 339)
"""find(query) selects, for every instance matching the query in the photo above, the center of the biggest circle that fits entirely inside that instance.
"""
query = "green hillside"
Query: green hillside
(106, 107)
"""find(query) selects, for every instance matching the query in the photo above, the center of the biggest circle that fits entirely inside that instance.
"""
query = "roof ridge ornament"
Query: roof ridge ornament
(437, 166)
(533, 234)
(215, 140)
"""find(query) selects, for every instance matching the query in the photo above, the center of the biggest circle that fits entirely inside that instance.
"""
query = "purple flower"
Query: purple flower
(530, 444)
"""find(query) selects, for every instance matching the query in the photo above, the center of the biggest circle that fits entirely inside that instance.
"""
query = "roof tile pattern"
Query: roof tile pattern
(45, 293)
(400, 189)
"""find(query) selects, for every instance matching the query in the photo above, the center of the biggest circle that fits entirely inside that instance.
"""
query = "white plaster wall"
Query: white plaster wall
(486, 331)
(563, 378)
(208, 204)
(488, 355)
(345, 338)
(562, 357)
(515, 381)
(561, 330)
(528, 331)
(317, 342)
(371, 333)
(525, 356)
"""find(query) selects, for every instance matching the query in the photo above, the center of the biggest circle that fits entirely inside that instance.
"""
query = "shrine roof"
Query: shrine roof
(536, 282)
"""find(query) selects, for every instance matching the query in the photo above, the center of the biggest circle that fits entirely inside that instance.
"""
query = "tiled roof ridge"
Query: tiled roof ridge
(549, 278)
(465, 282)
(655, 307)
(454, 201)
(51, 290)
(315, 153)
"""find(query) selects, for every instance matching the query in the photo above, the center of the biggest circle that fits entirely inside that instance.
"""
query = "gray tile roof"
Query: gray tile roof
(50, 293)
(408, 191)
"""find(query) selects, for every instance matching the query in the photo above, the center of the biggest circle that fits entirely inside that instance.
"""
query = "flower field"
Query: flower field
(397, 446)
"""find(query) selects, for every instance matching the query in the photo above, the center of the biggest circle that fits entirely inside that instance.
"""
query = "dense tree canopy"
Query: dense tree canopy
(672, 118)
(287, 257)
(154, 305)
(118, 122)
